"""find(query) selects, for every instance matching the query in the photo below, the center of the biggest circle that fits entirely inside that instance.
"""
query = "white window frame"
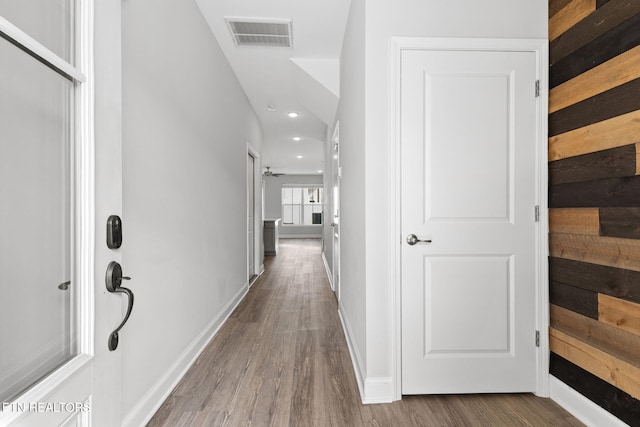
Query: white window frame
(319, 203)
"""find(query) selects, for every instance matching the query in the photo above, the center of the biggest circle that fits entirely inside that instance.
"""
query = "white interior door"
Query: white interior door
(468, 143)
(55, 368)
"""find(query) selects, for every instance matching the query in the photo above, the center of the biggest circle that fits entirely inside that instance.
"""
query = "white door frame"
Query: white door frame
(258, 266)
(540, 48)
(335, 181)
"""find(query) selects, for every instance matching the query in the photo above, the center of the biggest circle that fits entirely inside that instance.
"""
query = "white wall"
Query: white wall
(273, 204)
(366, 165)
(186, 126)
(351, 113)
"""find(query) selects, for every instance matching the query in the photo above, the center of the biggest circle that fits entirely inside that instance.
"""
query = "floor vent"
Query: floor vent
(260, 32)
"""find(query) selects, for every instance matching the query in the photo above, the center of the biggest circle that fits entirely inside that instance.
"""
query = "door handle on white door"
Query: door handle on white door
(114, 280)
(412, 239)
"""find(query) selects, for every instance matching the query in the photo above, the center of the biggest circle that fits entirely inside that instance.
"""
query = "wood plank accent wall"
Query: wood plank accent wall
(594, 200)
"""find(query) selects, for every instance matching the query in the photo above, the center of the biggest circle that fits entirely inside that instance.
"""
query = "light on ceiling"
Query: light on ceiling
(299, 156)
(319, 171)
(296, 138)
(292, 114)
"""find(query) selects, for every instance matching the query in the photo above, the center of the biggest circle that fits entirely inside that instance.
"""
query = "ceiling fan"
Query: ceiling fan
(269, 173)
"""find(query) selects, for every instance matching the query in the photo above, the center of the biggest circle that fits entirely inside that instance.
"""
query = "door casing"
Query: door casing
(540, 48)
(258, 266)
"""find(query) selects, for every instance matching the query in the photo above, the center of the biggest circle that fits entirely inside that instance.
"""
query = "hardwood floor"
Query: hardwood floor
(281, 360)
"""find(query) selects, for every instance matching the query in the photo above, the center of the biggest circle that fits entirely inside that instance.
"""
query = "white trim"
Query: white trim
(257, 208)
(52, 387)
(356, 360)
(299, 236)
(328, 271)
(393, 163)
(36, 48)
(581, 407)
(378, 390)
(372, 390)
(153, 399)
(540, 48)
(86, 197)
(542, 239)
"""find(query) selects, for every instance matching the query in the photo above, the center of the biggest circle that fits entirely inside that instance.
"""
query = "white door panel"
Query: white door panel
(468, 129)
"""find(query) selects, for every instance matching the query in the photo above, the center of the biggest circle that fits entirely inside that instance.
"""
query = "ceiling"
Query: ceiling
(302, 79)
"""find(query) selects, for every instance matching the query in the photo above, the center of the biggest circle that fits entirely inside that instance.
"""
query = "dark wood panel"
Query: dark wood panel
(622, 373)
(609, 45)
(574, 12)
(612, 281)
(606, 105)
(606, 17)
(622, 344)
(611, 192)
(620, 222)
(610, 398)
(609, 251)
(615, 72)
(615, 162)
(617, 132)
(556, 6)
(600, 3)
(575, 299)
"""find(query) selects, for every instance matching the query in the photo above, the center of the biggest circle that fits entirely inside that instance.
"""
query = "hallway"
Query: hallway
(281, 359)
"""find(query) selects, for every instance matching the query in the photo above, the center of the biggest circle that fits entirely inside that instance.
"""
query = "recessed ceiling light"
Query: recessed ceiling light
(271, 108)
(296, 138)
(319, 171)
(299, 156)
(292, 114)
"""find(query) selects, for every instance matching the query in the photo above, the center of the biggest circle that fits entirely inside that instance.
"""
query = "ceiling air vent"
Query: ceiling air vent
(260, 32)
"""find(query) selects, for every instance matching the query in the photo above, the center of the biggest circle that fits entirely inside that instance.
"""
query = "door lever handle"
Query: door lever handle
(114, 280)
(412, 239)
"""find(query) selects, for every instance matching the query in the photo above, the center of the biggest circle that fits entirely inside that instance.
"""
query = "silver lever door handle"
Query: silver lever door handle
(412, 239)
(114, 280)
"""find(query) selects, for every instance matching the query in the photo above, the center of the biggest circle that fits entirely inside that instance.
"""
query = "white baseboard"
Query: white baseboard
(300, 236)
(581, 407)
(328, 270)
(153, 399)
(372, 390)
(378, 390)
(356, 360)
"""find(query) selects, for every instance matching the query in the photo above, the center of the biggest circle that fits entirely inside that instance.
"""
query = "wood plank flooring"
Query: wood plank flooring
(281, 360)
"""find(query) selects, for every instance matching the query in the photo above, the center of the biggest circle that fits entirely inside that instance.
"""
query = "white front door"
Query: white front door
(468, 144)
(60, 157)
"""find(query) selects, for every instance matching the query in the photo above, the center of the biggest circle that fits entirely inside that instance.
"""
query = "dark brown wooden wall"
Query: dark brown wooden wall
(594, 199)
